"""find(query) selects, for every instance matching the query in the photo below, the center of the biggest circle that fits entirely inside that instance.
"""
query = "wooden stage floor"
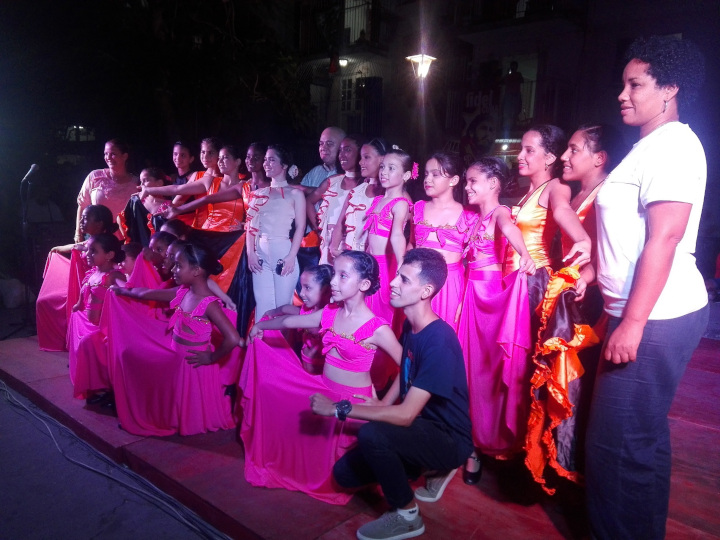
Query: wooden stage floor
(205, 472)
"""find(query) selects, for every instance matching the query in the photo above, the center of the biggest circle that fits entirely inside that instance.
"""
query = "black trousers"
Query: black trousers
(392, 455)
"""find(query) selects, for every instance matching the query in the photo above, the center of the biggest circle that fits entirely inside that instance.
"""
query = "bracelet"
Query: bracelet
(342, 409)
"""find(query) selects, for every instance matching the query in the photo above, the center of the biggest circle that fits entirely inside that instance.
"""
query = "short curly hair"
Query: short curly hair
(673, 62)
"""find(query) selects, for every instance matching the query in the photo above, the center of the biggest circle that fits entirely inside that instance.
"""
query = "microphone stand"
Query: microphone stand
(29, 269)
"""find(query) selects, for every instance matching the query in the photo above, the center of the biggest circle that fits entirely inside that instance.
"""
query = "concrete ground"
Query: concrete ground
(54, 485)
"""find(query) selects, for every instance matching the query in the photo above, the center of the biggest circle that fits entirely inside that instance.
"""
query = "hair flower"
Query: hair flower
(293, 171)
(415, 172)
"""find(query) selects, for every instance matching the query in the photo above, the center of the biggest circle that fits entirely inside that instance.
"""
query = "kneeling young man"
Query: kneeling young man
(422, 423)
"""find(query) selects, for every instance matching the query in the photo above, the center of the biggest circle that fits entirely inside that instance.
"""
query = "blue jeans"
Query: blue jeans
(628, 439)
(392, 455)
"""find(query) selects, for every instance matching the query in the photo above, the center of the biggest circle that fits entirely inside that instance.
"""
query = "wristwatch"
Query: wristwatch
(342, 409)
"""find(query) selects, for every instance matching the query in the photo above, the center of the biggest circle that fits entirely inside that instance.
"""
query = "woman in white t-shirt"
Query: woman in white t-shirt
(648, 216)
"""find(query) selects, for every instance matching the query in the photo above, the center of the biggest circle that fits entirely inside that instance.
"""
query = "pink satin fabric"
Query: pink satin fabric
(494, 332)
(286, 444)
(59, 292)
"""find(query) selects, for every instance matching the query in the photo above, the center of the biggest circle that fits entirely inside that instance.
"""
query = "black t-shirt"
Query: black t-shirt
(432, 360)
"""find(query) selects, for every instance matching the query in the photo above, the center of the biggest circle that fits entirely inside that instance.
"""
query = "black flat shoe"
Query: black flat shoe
(95, 398)
(472, 478)
(108, 401)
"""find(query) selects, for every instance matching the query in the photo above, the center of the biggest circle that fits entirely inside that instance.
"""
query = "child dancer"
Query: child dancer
(275, 401)
(443, 225)
(104, 251)
(332, 193)
(315, 295)
(348, 232)
(183, 159)
(494, 328)
(62, 278)
(385, 224)
(156, 253)
(131, 250)
(164, 385)
(141, 217)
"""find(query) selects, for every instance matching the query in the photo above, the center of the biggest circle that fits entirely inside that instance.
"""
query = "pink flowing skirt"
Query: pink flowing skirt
(89, 357)
(59, 292)
(494, 332)
(286, 444)
(156, 391)
(445, 303)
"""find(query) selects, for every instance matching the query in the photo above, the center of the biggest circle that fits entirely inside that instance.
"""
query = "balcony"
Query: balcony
(480, 13)
(328, 27)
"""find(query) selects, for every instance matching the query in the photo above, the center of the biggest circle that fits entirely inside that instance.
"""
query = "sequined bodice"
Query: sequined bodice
(449, 237)
(484, 248)
(355, 355)
(191, 327)
(380, 222)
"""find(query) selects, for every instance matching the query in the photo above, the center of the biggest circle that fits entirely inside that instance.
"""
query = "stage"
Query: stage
(205, 472)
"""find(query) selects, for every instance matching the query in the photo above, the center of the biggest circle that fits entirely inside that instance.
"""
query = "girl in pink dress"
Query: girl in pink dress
(494, 328)
(62, 278)
(315, 295)
(165, 384)
(443, 225)
(332, 194)
(104, 251)
(385, 223)
(286, 445)
(349, 232)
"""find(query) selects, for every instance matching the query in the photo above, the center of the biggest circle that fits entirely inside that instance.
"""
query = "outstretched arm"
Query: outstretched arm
(402, 414)
(235, 192)
(309, 320)
(191, 188)
(142, 293)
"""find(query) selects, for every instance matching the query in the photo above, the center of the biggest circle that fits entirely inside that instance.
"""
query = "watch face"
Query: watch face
(343, 409)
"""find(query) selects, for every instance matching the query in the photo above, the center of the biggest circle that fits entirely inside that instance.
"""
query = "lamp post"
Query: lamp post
(421, 64)
(421, 67)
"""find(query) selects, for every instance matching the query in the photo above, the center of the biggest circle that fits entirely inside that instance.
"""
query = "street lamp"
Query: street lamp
(423, 62)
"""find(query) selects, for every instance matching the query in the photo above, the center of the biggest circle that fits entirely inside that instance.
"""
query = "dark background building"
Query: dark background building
(73, 74)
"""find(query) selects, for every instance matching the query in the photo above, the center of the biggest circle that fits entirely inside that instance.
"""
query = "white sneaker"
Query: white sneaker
(392, 526)
(434, 487)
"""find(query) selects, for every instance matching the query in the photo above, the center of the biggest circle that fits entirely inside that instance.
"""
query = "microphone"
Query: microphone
(33, 169)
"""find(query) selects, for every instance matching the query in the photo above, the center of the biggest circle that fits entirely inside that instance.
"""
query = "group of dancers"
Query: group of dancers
(155, 302)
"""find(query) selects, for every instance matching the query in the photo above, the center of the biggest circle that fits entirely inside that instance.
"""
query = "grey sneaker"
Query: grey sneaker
(392, 526)
(434, 487)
